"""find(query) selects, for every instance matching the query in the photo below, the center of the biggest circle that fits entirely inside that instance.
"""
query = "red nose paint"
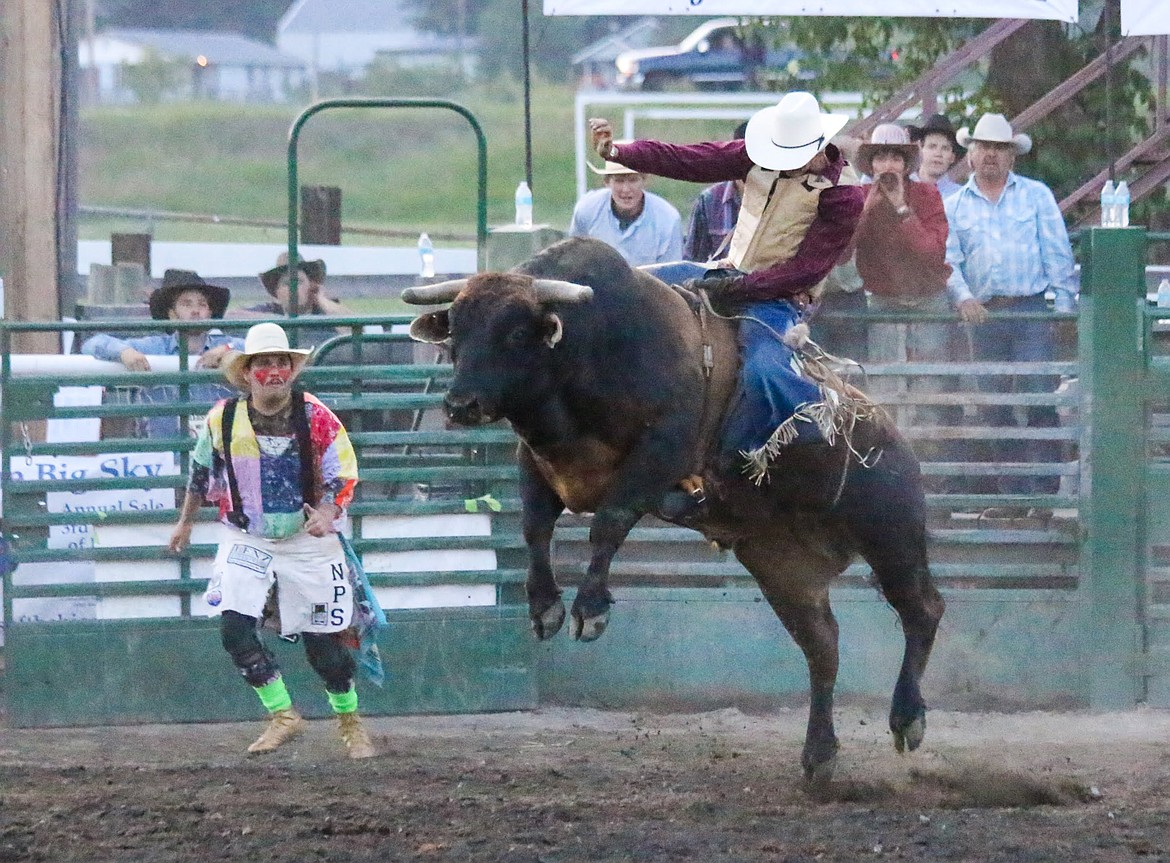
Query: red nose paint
(272, 377)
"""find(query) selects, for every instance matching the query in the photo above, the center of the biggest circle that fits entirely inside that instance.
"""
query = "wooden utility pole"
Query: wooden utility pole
(31, 163)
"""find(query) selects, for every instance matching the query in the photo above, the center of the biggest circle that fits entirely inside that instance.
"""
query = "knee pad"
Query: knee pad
(255, 663)
(330, 659)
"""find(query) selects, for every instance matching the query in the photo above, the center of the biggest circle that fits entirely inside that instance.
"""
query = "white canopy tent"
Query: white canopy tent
(1145, 17)
(1058, 10)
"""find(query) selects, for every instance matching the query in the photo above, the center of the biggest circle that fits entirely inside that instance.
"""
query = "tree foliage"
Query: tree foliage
(497, 24)
(254, 18)
(155, 78)
(1072, 144)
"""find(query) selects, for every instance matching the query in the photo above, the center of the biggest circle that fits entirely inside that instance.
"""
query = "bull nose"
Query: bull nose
(462, 409)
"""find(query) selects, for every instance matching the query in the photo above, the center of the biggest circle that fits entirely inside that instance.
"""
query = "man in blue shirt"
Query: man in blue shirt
(644, 228)
(1007, 247)
(183, 296)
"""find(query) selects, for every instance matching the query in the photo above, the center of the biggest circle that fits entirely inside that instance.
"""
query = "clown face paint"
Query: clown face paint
(271, 370)
(272, 377)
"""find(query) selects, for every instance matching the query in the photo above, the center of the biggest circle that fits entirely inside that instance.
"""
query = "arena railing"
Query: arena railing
(435, 518)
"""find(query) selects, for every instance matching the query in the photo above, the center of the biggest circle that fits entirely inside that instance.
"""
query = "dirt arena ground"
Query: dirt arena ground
(582, 785)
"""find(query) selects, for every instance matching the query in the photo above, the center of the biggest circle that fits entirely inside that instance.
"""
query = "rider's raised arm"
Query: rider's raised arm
(708, 162)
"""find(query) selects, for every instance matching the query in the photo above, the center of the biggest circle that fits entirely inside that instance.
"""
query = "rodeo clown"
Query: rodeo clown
(801, 204)
(282, 469)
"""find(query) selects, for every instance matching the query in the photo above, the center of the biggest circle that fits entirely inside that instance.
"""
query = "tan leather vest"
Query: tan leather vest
(776, 214)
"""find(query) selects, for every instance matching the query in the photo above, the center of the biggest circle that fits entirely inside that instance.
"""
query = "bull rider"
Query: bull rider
(801, 204)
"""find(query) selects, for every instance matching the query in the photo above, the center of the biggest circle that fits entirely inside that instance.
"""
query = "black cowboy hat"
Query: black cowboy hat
(175, 282)
(937, 124)
(314, 270)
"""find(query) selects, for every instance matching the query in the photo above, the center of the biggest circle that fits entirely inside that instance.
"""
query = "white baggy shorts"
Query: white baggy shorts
(313, 588)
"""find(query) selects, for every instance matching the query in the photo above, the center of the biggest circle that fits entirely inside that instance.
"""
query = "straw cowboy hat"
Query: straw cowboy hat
(313, 270)
(995, 129)
(612, 168)
(937, 124)
(785, 136)
(267, 338)
(891, 137)
(175, 282)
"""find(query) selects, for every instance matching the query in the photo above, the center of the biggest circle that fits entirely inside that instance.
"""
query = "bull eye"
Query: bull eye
(517, 338)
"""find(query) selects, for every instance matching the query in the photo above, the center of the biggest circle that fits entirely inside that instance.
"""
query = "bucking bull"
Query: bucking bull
(604, 373)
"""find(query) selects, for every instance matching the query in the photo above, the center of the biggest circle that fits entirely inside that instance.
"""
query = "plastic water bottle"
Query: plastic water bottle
(523, 205)
(1121, 195)
(1108, 204)
(426, 256)
(1163, 301)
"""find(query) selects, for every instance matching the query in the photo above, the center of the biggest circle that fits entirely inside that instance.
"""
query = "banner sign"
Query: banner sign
(1145, 17)
(1056, 10)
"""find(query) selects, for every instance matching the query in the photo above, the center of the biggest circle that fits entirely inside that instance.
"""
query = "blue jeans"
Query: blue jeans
(168, 426)
(678, 272)
(770, 389)
(1020, 341)
(841, 334)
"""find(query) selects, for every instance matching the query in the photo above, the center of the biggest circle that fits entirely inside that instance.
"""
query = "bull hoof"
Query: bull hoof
(819, 760)
(820, 773)
(588, 628)
(909, 736)
(547, 623)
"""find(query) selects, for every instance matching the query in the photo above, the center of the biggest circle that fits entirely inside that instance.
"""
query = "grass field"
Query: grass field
(404, 169)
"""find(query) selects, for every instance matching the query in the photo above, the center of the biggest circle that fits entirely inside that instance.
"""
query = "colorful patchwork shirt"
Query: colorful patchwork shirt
(268, 468)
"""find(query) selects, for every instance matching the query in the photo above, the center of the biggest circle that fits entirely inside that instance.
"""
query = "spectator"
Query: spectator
(282, 469)
(713, 216)
(901, 257)
(1007, 247)
(183, 296)
(837, 321)
(643, 227)
(311, 300)
(799, 211)
(940, 151)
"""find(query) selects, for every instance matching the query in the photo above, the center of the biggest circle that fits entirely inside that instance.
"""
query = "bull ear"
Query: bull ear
(434, 327)
(553, 329)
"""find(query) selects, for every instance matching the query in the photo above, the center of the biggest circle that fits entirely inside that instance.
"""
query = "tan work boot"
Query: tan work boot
(283, 726)
(357, 739)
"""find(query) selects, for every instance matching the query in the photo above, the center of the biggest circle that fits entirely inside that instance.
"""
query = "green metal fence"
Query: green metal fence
(1068, 610)
(147, 650)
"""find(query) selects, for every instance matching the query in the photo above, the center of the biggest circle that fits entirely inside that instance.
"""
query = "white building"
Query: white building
(198, 65)
(346, 37)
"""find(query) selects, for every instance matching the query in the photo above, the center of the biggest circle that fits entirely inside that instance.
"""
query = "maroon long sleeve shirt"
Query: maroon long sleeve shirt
(838, 209)
(903, 257)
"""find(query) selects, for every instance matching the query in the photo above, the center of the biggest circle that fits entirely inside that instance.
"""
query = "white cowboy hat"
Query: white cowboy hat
(267, 338)
(785, 136)
(994, 129)
(612, 168)
(892, 137)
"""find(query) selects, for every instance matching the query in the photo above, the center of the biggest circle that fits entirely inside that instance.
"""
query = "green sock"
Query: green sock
(343, 702)
(274, 696)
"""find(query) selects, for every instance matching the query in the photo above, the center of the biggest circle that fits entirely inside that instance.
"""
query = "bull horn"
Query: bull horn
(430, 295)
(552, 290)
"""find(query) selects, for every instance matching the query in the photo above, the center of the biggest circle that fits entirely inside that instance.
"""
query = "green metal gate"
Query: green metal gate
(435, 521)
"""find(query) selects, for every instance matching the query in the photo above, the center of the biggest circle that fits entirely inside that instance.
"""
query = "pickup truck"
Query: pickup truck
(715, 56)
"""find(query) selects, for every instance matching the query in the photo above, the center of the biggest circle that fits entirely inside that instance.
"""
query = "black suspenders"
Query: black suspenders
(300, 424)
